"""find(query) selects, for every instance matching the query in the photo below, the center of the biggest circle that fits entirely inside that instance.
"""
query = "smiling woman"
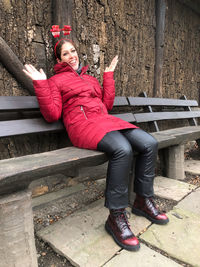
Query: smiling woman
(65, 51)
(84, 105)
(69, 55)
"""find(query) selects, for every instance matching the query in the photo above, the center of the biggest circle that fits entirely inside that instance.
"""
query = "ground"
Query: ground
(64, 207)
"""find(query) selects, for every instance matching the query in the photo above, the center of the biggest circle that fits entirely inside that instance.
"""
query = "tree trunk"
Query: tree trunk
(14, 66)
(62, 14)
(159, 47)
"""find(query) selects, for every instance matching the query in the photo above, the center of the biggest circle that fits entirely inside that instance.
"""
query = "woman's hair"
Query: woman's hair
(58, 47)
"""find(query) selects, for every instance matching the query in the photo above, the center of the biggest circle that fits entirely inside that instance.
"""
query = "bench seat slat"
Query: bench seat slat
(28, 126)
(183, 134)
(16, 173)
(156, 116)
(180, 135)
(143, 101)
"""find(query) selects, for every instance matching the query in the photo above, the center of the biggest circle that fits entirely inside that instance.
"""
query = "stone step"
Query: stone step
(82, 239)
(171, 189)
(48, 198)
(180, 238)
(145, 257)
(192, 166)
(65, 192)
(163, 187)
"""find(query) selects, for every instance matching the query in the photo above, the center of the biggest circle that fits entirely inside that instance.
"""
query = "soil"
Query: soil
(64, 207)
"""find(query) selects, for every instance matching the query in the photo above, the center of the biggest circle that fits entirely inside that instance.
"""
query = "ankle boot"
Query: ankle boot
(144, 206)
(118, 227)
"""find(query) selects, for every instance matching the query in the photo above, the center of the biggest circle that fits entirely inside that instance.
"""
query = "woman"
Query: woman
(84, 105)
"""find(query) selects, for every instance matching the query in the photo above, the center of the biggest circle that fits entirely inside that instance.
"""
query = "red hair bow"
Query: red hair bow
(55, 30)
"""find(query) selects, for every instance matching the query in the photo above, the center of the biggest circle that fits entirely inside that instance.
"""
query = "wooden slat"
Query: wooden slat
(28, 126)
(183, 134)
(143, 101)
(125, 116)
(18, 103)
(17, 173)
(30, 102)
(120, 101)
(156, 116)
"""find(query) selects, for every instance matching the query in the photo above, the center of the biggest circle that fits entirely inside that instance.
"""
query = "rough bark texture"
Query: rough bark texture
(14, 66)
(102, 29)
(181, 70)
(106, 28)
(25, 28)
(159, 46)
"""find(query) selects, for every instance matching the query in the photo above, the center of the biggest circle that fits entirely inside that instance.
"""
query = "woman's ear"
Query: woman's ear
(58, 60)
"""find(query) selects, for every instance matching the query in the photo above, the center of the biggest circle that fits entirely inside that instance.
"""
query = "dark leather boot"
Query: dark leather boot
(144, 206)
(118, 227)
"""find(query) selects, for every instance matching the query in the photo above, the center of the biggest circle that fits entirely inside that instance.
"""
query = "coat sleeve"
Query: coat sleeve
(49, 98)
(108, 90)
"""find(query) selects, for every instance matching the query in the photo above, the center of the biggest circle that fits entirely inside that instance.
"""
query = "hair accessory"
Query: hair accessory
(66, 30)
(55, 30)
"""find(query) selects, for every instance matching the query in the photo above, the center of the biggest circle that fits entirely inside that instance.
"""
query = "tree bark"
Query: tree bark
(159, 46)
(14, 66)
(62, 13)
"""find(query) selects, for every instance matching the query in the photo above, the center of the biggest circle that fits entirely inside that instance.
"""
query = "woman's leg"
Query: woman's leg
(120, 155)
(146, 145)
(119, 151)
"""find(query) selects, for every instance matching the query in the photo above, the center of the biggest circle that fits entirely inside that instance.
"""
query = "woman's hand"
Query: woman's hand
(33, 73)
(113, 64)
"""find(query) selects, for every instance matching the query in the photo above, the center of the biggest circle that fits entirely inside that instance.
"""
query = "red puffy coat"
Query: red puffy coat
(82, 103)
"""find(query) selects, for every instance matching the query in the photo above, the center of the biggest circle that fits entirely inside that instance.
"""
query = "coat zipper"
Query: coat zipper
(83, 112)
(102, 110)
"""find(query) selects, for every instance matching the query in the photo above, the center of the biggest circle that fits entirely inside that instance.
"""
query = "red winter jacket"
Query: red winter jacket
(82, 103)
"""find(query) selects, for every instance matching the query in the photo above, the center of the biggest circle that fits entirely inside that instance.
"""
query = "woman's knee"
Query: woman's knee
(124, 150)
(114, 143)
(151, 144)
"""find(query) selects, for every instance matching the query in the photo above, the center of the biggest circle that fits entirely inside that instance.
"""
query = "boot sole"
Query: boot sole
(141, 213)
(130, 248)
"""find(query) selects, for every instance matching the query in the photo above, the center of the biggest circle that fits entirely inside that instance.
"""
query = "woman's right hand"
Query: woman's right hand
(33, 73)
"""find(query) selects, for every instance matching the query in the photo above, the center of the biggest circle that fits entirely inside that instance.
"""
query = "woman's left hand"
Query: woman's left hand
(113, 64)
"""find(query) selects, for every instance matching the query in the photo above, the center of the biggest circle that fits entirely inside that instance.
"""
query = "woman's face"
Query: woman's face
(69, 55)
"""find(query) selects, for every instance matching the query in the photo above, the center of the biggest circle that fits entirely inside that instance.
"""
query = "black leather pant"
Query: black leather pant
(119, 146)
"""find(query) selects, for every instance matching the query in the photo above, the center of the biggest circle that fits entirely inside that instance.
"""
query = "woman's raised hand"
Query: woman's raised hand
(33, 73)
(113, 64)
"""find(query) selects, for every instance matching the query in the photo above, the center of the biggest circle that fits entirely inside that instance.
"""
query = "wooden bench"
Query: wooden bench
(20, 116)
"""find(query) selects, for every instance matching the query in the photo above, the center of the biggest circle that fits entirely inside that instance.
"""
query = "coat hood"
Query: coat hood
(63, 67)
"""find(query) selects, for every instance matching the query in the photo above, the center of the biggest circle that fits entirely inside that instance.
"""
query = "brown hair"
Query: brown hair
(58, 47)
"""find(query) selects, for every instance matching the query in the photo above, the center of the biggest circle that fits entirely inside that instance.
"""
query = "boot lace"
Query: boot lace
(152, 206)
(122, 217)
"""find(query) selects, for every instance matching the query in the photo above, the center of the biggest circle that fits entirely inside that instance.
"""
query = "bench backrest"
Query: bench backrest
(20, 114)
(169, 109)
